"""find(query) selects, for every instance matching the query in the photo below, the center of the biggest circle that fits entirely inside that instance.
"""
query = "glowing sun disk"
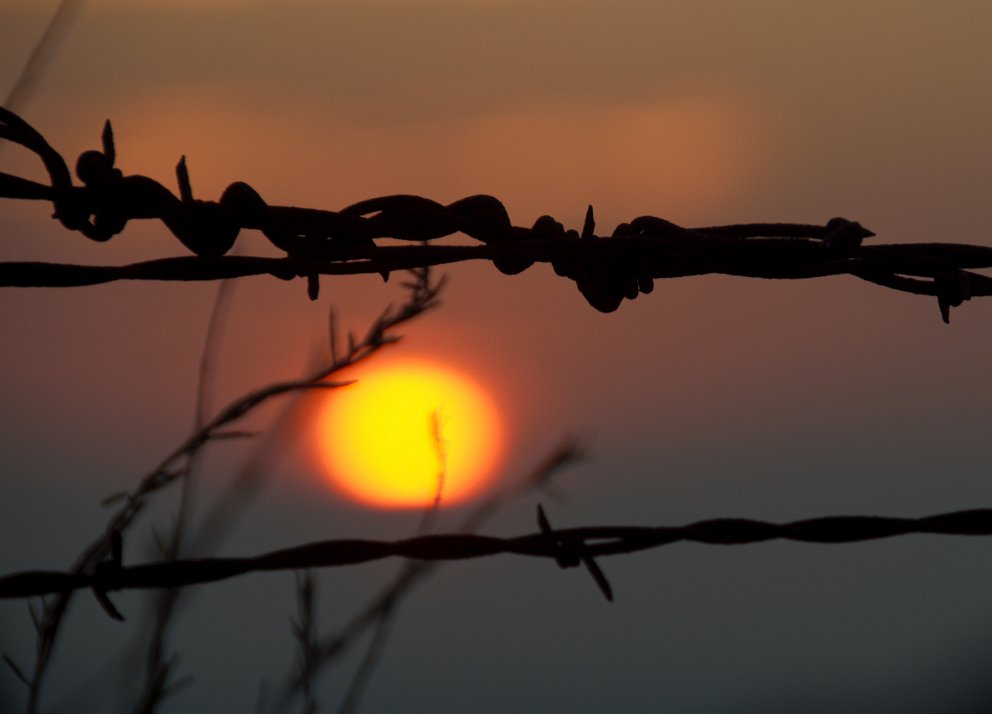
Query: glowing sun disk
(404, 431)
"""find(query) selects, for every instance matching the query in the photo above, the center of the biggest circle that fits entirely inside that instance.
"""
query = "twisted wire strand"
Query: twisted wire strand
(323, 242)
(569, 547)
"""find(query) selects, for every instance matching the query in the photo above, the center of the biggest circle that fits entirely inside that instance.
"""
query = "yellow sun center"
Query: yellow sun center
(406, 434)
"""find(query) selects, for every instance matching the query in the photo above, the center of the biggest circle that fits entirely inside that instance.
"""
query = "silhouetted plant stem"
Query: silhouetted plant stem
(43, 51)
(360, 680)
(382, 626)
(304, 629)
(386, 603)
(160, 667)
(423, 296)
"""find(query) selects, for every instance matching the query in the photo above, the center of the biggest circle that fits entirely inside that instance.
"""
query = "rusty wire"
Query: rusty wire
(323, 242)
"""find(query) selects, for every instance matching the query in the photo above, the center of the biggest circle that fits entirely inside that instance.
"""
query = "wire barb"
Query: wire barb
(322, 242)
(568, 547)
(569, 551)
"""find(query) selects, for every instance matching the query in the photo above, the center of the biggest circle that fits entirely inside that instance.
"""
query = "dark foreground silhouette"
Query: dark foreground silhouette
(321, 242)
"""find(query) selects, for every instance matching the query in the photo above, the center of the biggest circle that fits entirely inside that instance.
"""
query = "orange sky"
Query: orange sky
(711, 396)
(776, 112)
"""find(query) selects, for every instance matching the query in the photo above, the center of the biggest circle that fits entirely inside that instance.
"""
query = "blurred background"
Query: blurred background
(710, 397)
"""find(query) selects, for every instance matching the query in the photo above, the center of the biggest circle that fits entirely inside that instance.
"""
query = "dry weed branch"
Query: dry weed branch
(383, 607)
(106, 550)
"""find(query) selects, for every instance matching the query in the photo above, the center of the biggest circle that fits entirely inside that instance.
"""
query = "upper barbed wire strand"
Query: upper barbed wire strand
(322, 242)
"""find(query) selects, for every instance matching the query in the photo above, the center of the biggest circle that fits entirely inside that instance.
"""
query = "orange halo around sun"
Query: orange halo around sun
(391, 438)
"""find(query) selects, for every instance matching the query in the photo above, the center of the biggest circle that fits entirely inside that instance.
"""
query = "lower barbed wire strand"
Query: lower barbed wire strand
(594, 541)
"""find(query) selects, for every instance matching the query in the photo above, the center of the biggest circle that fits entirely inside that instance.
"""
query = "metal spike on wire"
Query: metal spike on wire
(567, 547)
(606, 270)
(568, 550)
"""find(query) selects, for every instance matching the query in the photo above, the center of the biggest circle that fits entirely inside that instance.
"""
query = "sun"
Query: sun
(408, 432)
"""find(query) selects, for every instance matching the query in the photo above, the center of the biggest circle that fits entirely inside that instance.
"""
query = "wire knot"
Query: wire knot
(106, 576)
(570, 552)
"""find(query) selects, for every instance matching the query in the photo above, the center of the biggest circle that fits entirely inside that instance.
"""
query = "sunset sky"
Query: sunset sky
(710, 397)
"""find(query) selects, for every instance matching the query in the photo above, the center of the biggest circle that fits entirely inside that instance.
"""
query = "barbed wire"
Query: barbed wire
(568, 547)
(323, 242)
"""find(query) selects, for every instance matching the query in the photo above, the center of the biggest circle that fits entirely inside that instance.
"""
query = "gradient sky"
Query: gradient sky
(710, 397)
